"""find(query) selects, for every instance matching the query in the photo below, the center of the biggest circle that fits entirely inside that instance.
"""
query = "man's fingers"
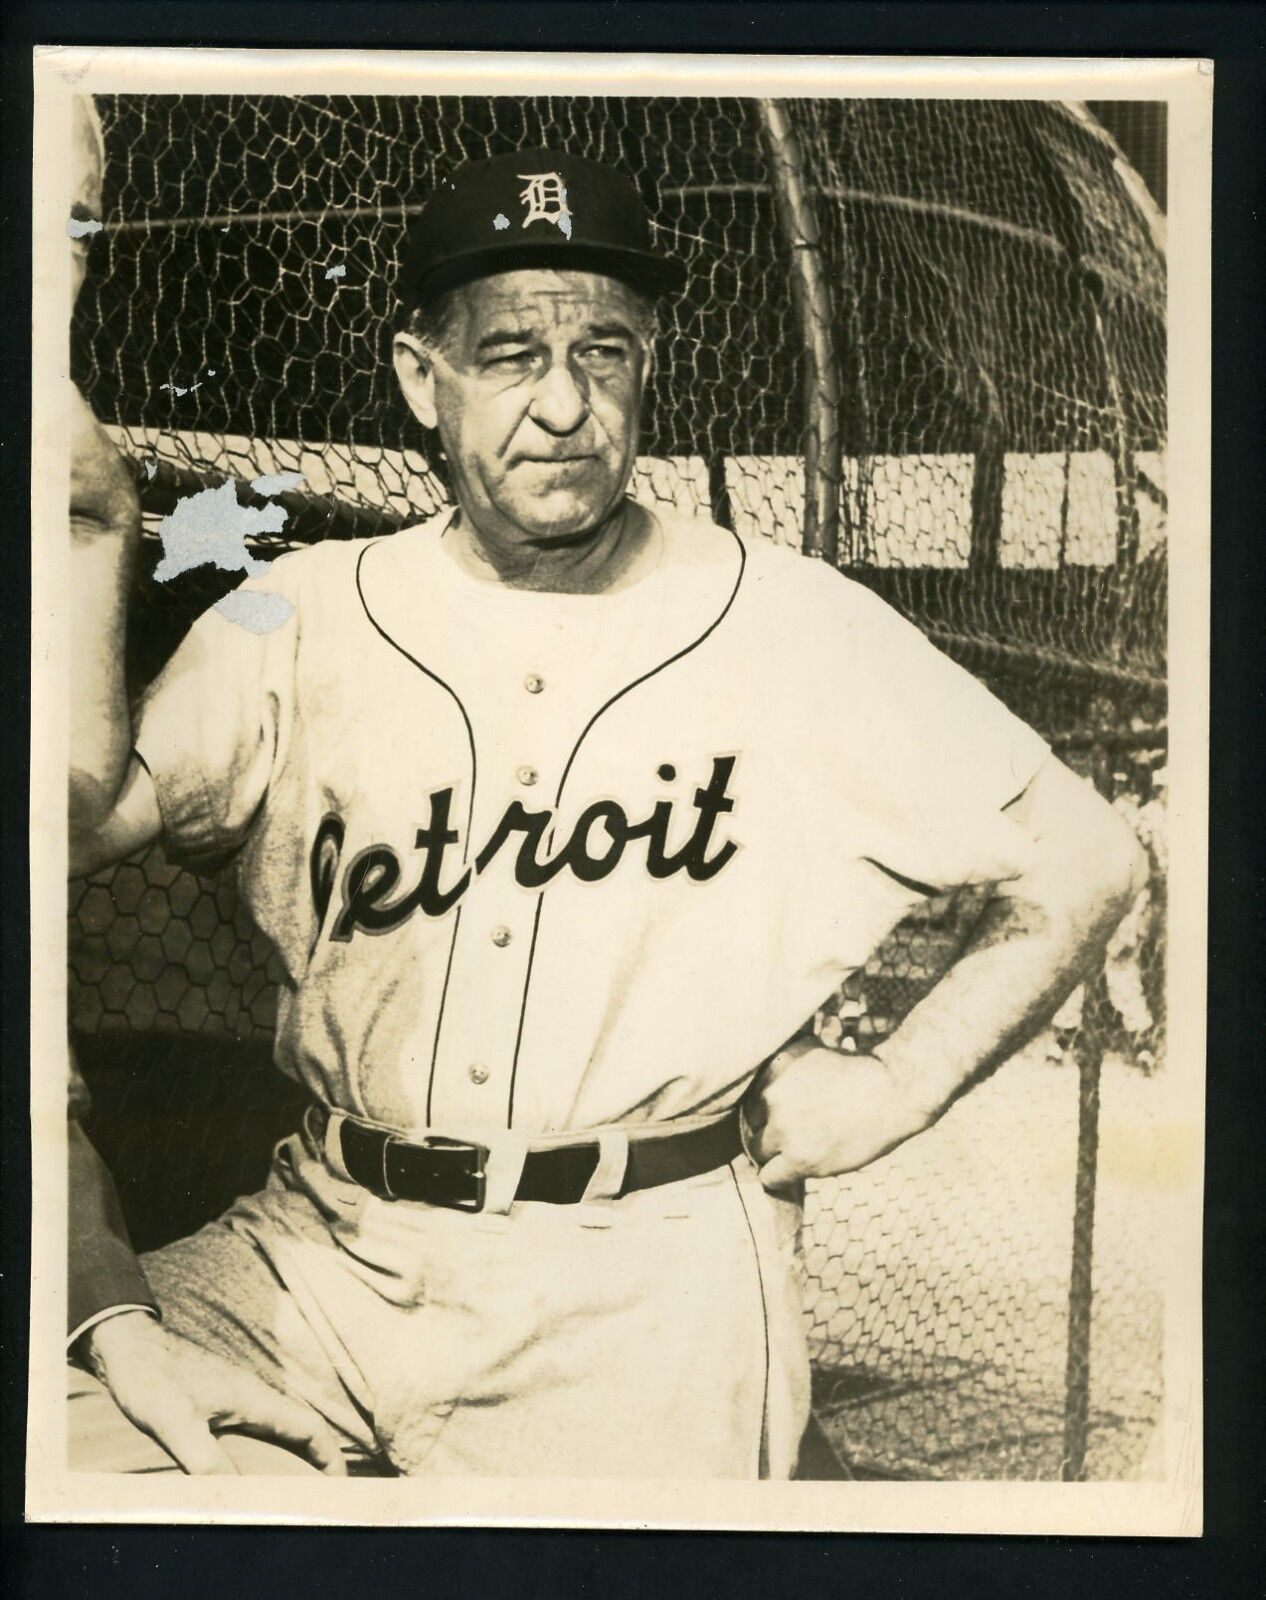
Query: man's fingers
(187, 1428)
(266, 1414)
(754, 1112)
(756, 1136)
(764, 1092)
(188, 1439)
(750, 1126)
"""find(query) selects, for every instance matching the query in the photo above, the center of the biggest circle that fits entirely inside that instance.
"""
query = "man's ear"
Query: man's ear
(415, 372)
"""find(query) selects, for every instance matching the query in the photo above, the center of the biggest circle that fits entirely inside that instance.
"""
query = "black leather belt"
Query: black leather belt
(447, 1172)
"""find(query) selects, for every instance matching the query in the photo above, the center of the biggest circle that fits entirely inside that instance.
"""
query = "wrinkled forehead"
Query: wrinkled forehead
(540, 299)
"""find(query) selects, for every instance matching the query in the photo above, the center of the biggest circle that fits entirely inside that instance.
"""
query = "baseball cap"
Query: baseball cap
(532, 208)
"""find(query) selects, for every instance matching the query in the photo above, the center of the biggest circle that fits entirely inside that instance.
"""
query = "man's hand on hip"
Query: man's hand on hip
(182, 1397)
(813, 1113)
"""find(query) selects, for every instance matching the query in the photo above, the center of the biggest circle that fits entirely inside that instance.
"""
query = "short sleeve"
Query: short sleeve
(935, 756)
(212, 726)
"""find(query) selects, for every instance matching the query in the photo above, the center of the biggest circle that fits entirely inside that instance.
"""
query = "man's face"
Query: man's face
(536, 392)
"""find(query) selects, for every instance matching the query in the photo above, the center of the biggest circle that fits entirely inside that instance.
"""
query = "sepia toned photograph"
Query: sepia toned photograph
(613, 651)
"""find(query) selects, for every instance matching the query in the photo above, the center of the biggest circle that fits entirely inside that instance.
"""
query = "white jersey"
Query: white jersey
(542, 861)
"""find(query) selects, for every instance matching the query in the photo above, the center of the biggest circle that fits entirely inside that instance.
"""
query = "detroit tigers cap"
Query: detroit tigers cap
(532, 208)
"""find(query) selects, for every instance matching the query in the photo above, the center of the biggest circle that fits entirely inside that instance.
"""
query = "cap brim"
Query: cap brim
(652, 274)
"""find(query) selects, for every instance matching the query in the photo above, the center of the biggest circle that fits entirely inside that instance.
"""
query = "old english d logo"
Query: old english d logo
(544, 199)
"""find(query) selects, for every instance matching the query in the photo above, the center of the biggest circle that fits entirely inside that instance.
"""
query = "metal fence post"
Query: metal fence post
(1089, 1055)
(810, 290)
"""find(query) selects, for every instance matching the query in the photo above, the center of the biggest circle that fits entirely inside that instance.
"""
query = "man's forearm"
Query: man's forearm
(816, 1113)
(1037, 938)
(1019, 965)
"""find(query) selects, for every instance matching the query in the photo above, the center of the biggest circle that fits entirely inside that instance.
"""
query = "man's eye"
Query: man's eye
(516, 361)
(605, 352)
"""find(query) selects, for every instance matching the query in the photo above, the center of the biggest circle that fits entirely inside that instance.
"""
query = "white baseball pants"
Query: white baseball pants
(659, 1335)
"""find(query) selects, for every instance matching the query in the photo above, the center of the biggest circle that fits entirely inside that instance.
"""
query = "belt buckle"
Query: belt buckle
(477, 1171)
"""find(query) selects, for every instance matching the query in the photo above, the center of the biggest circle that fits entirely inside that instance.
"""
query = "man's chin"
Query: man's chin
(562, 518)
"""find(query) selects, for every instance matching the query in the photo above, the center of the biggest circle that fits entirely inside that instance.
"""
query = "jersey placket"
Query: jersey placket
(522, 747)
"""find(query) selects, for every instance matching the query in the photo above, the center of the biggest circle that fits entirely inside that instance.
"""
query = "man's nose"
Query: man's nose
(560, 402)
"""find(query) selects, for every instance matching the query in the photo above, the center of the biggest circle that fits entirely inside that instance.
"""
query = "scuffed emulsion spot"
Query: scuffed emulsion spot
(500, 222)
(210, 529)
(151, 467)
(336, 272)
(177, 389)
(81, 227)
(255, 609)
(277, 482)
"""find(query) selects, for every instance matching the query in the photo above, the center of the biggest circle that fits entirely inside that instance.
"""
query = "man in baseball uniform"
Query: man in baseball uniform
(530, 802)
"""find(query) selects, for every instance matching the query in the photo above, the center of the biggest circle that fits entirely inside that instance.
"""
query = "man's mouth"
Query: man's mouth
(555, 461)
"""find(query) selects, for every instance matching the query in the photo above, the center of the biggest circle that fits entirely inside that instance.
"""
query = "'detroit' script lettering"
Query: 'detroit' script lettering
(369, 885)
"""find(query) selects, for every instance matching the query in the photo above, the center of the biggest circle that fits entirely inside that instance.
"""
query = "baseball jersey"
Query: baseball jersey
(547, 861)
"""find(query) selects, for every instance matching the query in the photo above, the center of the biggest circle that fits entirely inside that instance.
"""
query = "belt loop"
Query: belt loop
(334, 1145)
(613, 1162)
(506, 1154)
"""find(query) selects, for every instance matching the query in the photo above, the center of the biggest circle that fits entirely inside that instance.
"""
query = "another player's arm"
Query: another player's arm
(817, 1113)
(178, 1394)
(113, 810)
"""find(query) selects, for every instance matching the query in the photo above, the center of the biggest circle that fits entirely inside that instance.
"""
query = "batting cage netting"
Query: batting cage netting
(922, 340)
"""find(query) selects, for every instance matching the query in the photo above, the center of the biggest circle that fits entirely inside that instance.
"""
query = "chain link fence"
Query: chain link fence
(922, 340)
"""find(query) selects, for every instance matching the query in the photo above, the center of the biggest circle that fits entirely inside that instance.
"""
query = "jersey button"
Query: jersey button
(501, 937)
(527, 776)
(534, 683)
(477, 1074)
